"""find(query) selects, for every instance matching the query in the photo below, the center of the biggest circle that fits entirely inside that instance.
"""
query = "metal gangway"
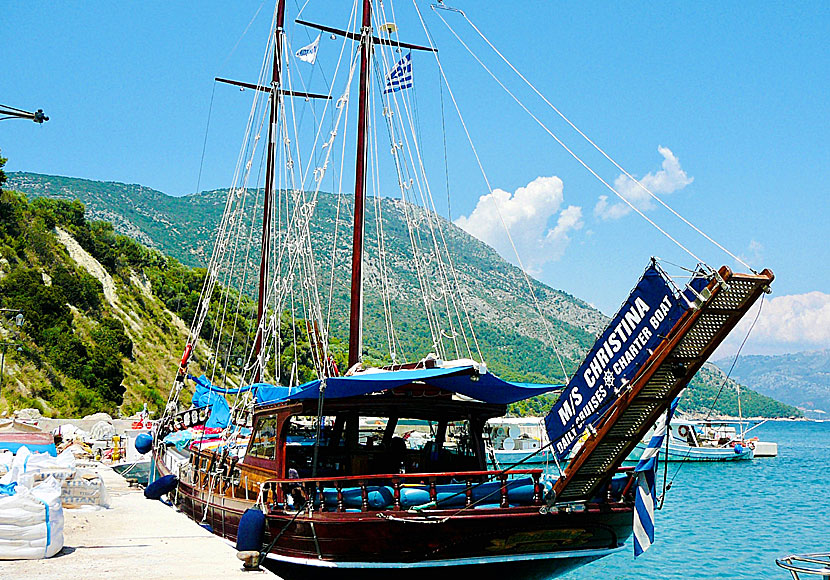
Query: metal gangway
(671, 366)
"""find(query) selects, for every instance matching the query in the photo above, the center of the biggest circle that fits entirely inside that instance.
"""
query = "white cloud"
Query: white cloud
(527, 214)
(754, 253)
(786, 324)
(669, 179)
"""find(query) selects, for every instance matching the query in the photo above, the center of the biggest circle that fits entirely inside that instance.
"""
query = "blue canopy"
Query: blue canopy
(464, 380)
(208, 395)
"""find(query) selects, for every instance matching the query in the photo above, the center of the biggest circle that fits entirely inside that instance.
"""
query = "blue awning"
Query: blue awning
(464, 380)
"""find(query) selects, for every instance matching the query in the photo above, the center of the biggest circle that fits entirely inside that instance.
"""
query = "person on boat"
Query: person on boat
(295, 491)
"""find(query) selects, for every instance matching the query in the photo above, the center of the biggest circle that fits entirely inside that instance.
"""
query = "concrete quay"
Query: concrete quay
(135, 538)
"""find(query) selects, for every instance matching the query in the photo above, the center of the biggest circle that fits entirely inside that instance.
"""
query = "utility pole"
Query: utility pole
(18, 321)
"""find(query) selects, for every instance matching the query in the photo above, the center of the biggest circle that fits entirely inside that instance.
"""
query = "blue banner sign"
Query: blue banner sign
(634, 332)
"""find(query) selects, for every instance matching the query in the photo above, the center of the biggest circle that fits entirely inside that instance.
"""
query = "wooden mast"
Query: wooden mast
(269, 181)
(366, 43)
(356, 305)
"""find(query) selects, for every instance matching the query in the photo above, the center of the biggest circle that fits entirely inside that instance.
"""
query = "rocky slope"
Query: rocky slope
(513, 338)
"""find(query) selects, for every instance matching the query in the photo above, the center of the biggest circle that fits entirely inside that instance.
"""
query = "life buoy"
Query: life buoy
(683, 430)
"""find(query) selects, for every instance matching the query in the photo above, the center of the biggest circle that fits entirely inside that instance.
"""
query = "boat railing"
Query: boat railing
(807, 565)
(464, 486)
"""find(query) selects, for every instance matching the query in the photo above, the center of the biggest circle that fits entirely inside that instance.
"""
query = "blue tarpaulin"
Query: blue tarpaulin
(464, 380)
(208, 395)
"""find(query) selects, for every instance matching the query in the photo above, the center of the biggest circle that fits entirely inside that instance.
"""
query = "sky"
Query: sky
(719, 109)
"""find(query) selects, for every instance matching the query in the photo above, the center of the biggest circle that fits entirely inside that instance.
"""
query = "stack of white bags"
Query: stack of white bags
(34, 489)
(31, 518)
(80, 488)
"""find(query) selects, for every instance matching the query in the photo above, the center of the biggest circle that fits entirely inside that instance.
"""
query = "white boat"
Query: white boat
(518, 440)
(709, 441)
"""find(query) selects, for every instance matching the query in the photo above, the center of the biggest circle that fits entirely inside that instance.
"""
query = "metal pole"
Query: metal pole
(3, 364)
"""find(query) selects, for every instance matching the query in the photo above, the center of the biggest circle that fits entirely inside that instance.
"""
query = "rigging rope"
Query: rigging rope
(666, 488)
(204, 143)
(449, 290)
(568, 149)
(498, 209)
(598, 148)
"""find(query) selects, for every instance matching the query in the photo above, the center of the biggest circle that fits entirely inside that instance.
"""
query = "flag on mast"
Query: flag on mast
(309, 53)
(644, 498)
(400, 76)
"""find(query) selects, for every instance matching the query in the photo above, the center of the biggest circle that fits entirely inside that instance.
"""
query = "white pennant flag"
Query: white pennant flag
(309, 53)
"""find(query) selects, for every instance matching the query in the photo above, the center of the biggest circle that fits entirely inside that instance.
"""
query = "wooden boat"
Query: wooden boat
(335, 500)
(363, 517)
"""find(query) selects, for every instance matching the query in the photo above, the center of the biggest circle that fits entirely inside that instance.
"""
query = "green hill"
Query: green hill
(513, 341)
(502, 312)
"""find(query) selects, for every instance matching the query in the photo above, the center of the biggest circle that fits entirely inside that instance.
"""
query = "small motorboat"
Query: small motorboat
(700, 441)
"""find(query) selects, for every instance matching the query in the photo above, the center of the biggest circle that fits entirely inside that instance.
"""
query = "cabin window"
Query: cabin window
(355, 445)
(299, 445)
(264, 443)
(302, 430)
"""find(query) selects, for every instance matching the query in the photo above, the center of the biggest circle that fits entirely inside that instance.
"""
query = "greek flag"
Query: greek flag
(309, 53)
(400, 77)
(645, 492)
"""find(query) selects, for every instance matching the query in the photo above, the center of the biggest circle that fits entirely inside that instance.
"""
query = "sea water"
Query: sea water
(733, 519)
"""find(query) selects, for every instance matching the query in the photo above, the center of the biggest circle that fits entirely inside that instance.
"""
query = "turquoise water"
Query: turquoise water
(731, 520)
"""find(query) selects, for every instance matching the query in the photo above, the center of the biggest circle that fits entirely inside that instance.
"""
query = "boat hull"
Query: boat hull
(688, 453)
(535, 567)
(344, 544)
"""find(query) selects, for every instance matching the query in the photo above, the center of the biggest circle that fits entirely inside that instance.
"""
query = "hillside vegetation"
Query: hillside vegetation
(510, 332)
(71, 363)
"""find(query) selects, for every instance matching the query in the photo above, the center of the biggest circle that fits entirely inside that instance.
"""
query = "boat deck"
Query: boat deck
(134, 538)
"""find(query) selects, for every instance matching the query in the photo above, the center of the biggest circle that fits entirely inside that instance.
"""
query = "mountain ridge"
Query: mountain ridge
(800, 379)
(507, 325)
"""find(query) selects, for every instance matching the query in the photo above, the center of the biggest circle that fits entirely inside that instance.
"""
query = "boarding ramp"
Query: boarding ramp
(666, 373)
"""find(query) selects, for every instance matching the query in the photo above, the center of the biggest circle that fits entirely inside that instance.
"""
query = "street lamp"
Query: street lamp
(15, 113)
(18, 321)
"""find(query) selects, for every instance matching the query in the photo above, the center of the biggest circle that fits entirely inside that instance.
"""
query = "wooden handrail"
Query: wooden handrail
(386, 476)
